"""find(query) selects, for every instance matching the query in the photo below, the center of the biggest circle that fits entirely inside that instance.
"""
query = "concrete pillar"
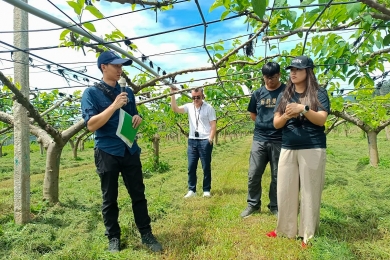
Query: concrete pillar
(21, 125)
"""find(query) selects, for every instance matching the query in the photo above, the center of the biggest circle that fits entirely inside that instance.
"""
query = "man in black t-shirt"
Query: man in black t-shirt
(266, 139)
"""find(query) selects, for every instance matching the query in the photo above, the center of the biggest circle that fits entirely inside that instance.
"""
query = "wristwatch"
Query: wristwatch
(305, 110)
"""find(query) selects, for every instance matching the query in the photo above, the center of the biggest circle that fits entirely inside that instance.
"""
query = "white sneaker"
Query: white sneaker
(190, 194)
(206, 194)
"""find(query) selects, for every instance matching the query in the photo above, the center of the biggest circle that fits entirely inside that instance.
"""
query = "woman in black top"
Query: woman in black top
(301, 111)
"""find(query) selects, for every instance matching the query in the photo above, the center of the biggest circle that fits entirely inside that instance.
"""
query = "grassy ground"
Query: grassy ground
(355, 213)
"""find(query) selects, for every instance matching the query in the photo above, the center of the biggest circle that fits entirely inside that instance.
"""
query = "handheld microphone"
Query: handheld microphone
(123, 89)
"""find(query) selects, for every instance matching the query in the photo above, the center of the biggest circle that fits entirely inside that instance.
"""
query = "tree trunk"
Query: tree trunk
(156, 149)
(41, 148)
(387, 130)
(1, 150)
(71, 142)
(216, 138)
(77, 144)
(373, 148)
(51, 181)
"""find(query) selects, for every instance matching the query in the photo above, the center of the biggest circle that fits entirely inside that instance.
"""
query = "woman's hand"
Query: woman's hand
(294, 109)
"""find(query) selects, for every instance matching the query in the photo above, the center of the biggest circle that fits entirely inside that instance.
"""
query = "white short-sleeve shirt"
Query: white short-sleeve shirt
(204, 115)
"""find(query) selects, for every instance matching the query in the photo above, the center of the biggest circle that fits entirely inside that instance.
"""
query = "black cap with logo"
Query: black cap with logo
(301, 62)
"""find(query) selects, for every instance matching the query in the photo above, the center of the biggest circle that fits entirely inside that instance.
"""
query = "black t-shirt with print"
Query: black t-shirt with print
(263, 103)
(300, 133)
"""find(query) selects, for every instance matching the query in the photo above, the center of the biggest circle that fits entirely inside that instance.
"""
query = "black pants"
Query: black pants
(108, 167)
(261, 154)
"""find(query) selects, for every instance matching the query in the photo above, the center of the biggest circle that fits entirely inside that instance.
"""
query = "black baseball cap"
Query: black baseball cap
(110, 57)
(301, 62)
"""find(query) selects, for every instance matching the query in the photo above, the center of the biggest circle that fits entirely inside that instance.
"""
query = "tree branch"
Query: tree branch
(381, 16)
(377, 6)
(352, 119)
(32, 111)
(383, 126)
(141, 2)
(226, 57)
(230, 124)
(34, 130)
(243, 62)
(42, 136)
(217, 64)
(56, 105)
(305, 29)
(5, 130)
(182, 130)
(6, 118)
(372, 55)
(173, 74)
(71, 131)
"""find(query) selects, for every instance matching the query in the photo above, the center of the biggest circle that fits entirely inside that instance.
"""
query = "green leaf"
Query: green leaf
(386, 40)
(356, 82)
(354, 9)
(216, 4)
(63, 34)
(307, 2)
(76, 7)
(224, 14)
(90, 27)
(81, 3)
(133, 7)
(351, 79)
(94, 11)
(219, 47)
(259, 7)
(226, 3)
(345, 69)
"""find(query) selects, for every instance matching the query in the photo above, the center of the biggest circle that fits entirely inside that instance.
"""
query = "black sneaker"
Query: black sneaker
(248, 211)
(150, 241)
(114, 245)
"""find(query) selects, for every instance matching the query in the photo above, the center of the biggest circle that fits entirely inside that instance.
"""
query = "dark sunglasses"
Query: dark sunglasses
(196, 97)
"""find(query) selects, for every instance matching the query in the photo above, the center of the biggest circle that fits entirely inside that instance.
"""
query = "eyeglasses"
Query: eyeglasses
(271, 78)
(196, 97)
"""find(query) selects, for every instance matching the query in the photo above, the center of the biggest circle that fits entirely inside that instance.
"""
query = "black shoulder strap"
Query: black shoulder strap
(105, 91)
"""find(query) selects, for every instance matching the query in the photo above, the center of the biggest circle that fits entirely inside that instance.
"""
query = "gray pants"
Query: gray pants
(301, 180)
(261, 154)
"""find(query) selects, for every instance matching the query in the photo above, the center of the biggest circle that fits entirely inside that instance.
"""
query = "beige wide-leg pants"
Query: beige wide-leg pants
(304, 171)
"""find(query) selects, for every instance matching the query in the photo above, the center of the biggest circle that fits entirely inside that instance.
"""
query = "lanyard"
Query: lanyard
(197, 118)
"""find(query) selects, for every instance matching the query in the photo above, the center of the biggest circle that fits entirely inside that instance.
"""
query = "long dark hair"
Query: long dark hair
(308, 97)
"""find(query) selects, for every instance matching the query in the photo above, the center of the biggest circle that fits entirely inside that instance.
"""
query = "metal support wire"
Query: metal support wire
(204, 46)
(59, 65)
(34, 11)
(311, 26)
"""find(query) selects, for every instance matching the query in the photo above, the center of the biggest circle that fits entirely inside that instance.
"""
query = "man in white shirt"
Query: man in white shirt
(202, 121)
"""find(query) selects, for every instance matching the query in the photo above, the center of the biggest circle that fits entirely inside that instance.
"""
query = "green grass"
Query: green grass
(355, 213)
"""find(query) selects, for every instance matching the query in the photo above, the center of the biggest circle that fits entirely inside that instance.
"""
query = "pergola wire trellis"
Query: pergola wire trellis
(204, 23)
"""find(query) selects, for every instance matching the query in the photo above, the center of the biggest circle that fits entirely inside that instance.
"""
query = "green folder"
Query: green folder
(125, 130)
